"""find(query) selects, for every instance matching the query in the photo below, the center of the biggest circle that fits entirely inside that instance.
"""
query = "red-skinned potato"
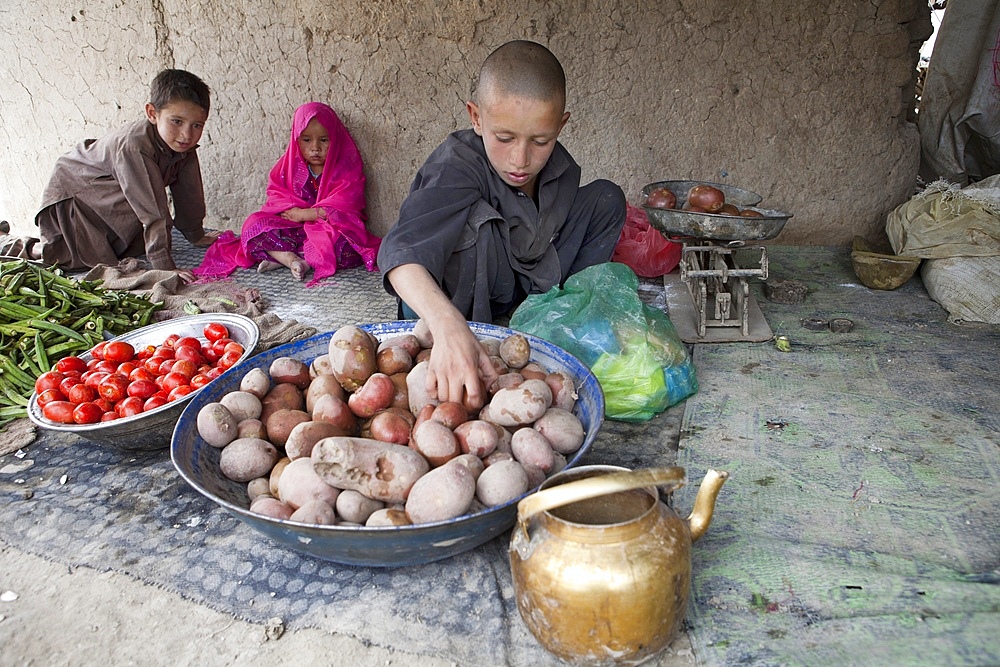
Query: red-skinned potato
(520, 405)
(416, 388)
(530, 447)
(251, 428)
(491, 345)
(387, 517)
(533, 371)
(477, 437)
(729, 209)
(279, 425)
(422, 333)
(352, 356)
(246, 458)
(391, 426)
(257, 382)
(422, 355)
(304, 436)
(320, 366)
(283, 396)
(356, 508)
(258, 486)
(450, 413)
(320, 386)
(660, 197)
(331, 409)
(271, 507)
(501, 482)
(506, 381)
(275, 475)
(563, 390)
(406, 341)
(315, 512)
(515, 351)
(470, 461)
(435, 441)
(401, 399)
(562, 429)
(216, 425)
(375, 394)
(393, 359)
(242, 404)
(290, 370)
(443, 493)
(750, 213)
(707, 197)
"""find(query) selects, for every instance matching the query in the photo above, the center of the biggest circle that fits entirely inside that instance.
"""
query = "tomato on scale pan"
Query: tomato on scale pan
(122, 381)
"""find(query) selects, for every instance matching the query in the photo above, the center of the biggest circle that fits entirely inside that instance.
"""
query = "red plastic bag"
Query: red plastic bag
(643, 249)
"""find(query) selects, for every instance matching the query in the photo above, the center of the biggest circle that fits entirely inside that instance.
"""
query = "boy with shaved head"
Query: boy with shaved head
(494, 214)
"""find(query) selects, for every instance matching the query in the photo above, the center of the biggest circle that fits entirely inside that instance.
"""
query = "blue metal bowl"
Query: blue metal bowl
(198, 463)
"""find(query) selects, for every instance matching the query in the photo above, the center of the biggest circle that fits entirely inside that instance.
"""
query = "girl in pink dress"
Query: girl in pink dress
(313, 218)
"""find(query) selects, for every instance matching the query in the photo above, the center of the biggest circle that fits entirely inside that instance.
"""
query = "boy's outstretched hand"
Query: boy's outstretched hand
(460, 368)
(185, 275)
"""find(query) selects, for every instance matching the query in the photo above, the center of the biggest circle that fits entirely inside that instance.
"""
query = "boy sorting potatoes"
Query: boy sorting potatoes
(107, 198)
(494, 214)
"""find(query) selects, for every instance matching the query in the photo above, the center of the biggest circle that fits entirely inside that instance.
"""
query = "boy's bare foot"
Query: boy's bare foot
(299, 269)
(208, 239)
(266, 266)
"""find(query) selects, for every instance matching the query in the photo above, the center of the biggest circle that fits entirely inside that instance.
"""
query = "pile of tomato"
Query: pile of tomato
(122, 381)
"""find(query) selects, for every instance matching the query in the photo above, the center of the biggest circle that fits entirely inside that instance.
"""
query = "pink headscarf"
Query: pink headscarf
(341, 194)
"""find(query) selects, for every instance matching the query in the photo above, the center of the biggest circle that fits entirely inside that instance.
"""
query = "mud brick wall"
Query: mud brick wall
(809, 104)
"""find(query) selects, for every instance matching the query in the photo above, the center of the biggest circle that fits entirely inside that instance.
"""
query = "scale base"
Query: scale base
(684, 316)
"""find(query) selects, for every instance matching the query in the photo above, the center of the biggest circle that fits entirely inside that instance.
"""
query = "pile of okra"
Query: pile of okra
(45, 316)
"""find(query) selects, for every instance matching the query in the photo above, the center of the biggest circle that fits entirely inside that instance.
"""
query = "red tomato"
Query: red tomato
(106, 366)
(187, 341)
(140, 374)
(142, 388)
(219, 346)
(227, 360)
(114, 387)
(87, 413)
(185, 367)
(92, 364)
(177, 392)
(60, 412)
(211, 356)
(95, 378)
(145, 352)
(214, 373)
(48, 396)
(214, 331)
(127, 367)
(173, 380)
(163, 352)
(165, 367)
(152, 365)
(109, 416)
(81, 393)
(153, 402)
(118, 351)
(71, 364)
(199, 380)
(171, 339)
(98, 351)
(129, 407)
(189, 353)
(233, 346)
(67, 384)
(48, 380)
(105, 404)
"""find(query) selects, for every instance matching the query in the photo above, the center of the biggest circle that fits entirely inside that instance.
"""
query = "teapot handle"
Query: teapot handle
(592, 487)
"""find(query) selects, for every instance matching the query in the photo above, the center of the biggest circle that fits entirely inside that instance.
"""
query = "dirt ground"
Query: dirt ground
(79, 616)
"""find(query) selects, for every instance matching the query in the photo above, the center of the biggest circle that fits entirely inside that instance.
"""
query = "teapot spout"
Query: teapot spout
(704, 502)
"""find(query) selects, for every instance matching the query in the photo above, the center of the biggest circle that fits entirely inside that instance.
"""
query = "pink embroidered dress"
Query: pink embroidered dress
(340, 240)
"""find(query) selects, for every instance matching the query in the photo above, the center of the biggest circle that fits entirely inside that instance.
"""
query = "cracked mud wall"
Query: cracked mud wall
(809, 104)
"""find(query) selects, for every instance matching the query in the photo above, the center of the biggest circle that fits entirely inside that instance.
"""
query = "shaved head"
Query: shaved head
(522, 69)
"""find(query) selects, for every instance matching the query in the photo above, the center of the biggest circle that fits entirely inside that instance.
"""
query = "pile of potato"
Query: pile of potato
(354, 439)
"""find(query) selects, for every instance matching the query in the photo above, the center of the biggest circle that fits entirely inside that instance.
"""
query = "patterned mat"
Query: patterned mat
(861, 524)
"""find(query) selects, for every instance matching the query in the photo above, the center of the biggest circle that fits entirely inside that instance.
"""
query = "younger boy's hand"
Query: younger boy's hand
(297, 215)
(208, 239)
(185, 275)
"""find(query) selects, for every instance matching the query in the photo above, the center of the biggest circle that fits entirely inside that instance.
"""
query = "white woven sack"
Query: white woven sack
(967, 287)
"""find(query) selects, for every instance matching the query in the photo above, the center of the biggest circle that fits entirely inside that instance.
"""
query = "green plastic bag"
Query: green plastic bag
(633, 349)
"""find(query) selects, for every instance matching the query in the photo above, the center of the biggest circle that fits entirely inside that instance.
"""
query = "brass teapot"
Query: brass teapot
(602, 567)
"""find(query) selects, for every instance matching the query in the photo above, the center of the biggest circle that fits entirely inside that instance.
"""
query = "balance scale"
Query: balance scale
(709, 299)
